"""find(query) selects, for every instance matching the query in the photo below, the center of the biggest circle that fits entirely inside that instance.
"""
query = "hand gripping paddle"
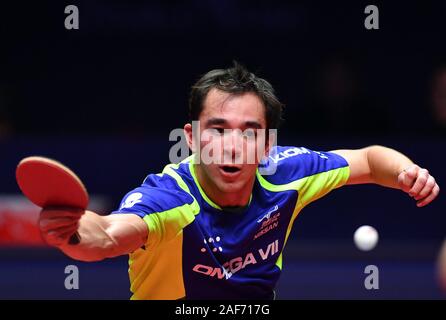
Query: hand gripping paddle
(48, 183)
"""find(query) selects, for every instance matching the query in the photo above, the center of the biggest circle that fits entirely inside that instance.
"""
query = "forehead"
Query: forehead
(233, 107)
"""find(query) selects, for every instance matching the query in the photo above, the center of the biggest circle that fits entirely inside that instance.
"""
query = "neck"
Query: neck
(239, 198)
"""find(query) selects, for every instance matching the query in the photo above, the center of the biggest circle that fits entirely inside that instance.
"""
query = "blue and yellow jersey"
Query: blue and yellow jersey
(197, 250)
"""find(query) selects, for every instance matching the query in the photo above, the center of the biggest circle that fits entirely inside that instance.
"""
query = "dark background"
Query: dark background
(103, 99)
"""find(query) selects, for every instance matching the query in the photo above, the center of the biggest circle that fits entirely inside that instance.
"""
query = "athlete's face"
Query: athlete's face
(232, 139)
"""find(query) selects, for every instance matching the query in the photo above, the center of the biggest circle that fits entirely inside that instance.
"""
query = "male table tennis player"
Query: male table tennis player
(217, 230)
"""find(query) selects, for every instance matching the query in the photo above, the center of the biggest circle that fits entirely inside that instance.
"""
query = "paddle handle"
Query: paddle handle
(74, 239)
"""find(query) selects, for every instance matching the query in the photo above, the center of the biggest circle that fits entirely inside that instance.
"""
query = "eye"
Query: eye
(249, 133)
(218, 131)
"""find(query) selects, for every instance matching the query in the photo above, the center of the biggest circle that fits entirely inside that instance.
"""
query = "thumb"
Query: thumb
(407, 177)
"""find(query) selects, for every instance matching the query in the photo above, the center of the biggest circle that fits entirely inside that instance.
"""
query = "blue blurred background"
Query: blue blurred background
(103, 99)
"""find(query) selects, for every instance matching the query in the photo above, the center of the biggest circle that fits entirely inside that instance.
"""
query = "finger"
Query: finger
(430, 184)
(51, 224)
(66, 229)
(405, 181)
(60, 230)
(58, 236)
(420, 182)
(412, 171)
(430, 197)
(50, 213)
(65, 237)
(52, 238)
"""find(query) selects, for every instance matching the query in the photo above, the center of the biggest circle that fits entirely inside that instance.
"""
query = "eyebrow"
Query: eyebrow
(221, 121)
(215, 121)
(253, 124)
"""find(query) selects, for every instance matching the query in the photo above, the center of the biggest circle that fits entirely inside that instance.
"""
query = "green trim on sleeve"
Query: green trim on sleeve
(166, 225)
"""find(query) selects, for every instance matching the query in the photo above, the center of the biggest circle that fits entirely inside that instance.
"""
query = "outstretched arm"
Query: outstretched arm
(100, 236)
(390, 168)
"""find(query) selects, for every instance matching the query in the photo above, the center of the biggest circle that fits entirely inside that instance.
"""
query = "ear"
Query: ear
(188, 133)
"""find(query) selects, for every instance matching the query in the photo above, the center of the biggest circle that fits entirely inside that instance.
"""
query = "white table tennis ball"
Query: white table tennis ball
(366, 238)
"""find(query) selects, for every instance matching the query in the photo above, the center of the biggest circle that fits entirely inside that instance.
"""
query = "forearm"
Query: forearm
(385, 165)
(95, 241)
(100, 236)
(390, 168)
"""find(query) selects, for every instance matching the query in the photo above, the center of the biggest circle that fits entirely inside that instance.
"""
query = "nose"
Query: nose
(233, 145)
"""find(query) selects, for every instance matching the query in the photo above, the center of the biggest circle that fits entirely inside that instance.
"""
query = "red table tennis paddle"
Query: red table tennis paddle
(48, 183)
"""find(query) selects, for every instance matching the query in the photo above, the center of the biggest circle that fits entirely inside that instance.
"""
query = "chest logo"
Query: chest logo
(229, 268)
(213, 242)
(268, 222)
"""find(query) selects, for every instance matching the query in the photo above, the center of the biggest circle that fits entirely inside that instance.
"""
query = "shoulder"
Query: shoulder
(288, 163)
(158, 193)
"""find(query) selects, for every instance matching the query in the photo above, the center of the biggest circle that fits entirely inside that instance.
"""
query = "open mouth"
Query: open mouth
(230, 169)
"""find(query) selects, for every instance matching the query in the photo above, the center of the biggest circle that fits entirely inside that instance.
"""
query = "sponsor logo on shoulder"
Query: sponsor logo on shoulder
(292, 152)
(131, 200)
(321, 155)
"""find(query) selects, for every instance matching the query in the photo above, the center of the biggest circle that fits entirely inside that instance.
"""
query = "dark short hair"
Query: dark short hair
(236, 80)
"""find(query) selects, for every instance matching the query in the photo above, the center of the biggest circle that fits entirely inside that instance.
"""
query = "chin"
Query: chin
(230, 187)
